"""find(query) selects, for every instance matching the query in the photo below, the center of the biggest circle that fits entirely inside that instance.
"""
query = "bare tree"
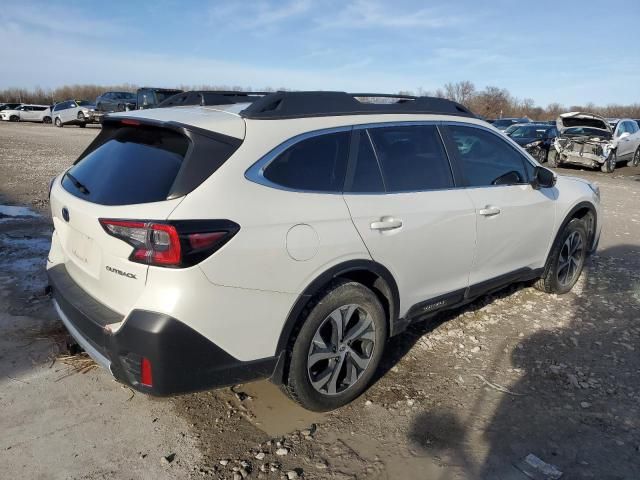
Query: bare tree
(461, 92)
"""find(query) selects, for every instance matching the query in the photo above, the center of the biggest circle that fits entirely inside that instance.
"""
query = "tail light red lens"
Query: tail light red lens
(146, 378)
(171, 244)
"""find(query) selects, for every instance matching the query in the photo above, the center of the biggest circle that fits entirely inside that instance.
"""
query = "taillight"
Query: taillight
(171, 244)
(146, 378)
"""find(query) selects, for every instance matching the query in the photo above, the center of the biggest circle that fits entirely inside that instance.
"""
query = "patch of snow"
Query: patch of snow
(15, 211)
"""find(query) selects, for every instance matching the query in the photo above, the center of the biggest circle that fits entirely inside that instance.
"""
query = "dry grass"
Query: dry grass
(79, 363)
(63, 349)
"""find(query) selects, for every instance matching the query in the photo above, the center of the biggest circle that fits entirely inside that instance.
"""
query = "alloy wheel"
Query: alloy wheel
(341, 349)
(636, 158)
(570, 259)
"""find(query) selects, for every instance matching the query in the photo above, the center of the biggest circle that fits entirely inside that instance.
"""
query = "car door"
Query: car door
(27, 114)
(68, 114)
(627, 144)
(401, 194)
(622, 135)
(72, 111)
(634, 142)
(514, 221)
(107, 102)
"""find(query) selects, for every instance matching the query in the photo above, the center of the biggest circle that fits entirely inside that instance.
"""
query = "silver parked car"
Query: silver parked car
(75, 112)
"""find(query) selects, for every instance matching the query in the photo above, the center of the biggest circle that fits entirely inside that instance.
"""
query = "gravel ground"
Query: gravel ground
(467, 395)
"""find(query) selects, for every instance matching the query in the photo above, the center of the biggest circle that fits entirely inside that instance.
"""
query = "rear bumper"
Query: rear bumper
(182, 360)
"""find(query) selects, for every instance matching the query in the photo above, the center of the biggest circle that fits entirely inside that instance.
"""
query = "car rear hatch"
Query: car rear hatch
(110, 208)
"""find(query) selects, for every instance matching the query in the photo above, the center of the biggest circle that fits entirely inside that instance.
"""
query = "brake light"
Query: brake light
(171, 244)
(145, 373)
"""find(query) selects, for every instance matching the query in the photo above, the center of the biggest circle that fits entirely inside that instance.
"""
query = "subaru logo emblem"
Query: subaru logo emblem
(65, 214)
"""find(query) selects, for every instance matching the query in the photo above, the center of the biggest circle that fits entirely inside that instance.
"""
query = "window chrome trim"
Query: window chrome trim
(255, 173)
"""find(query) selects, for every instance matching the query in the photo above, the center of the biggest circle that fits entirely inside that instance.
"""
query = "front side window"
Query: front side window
(412, 158)
(316, 164)
(487, 159)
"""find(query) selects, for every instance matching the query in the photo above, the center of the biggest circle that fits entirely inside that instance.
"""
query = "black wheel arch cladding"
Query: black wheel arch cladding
(372, 274)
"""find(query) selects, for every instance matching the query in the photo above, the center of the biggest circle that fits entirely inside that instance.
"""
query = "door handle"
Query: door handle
(489, 211)
(386, 223)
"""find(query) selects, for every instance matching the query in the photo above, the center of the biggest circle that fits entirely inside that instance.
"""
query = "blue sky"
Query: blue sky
(571, 52)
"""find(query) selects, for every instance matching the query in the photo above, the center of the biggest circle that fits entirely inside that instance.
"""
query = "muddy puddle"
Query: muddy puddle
(273, 412)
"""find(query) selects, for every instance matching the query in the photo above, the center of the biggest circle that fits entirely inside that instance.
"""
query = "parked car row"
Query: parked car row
(580, 138)
(577, 138)
(84, 112)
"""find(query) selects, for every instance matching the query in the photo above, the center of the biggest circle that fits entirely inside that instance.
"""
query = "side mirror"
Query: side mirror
(543, 178)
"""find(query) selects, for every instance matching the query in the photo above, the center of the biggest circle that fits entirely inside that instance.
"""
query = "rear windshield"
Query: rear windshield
(132, 165)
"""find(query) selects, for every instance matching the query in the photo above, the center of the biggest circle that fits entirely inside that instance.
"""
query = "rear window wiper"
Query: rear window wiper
(77, 184)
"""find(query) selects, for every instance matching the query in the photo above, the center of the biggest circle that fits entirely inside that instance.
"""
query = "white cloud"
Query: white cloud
(250, 14)
(55, 19)
(370, 14)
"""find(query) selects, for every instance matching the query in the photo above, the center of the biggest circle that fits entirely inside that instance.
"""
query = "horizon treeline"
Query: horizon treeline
(490, 102)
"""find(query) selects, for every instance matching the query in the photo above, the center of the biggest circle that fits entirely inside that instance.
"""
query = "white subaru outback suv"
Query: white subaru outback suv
(292, 236)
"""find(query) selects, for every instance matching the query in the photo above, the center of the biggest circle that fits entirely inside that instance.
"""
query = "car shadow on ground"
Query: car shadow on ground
(577, 403)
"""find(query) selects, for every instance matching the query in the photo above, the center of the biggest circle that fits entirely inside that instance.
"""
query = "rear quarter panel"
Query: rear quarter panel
(258, 256)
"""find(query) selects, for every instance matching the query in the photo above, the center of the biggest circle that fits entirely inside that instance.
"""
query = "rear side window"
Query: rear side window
(316, 164)
(412, 158)
(133, 165)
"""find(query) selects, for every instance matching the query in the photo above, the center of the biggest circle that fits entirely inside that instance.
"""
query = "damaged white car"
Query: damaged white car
(591, 141)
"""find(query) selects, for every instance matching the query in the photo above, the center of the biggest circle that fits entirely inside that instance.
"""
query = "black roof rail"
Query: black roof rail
(284, 105)
(210, 97)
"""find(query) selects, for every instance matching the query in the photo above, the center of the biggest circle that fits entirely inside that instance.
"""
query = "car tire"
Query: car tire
(81, 117)
(82, 125)
(46, 120)
(552, 158)
(328, 368)
(566, 259)
(14, 118)
(609, 164)
(542, 156)
(121, 108)
(635, 160)
(58, 122)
